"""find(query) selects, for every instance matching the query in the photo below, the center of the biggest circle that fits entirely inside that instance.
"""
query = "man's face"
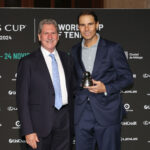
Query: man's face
(48, 37)
(88, 27)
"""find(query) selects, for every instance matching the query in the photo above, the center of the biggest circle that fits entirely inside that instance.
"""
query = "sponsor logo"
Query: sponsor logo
(14, 79)
(134, 76)
(128, 123)
(9, 28)
(129, 92)
(127, 107)
(148, 94)
(72, 31)
(126, 54)
(13, 141)
(10, 92)
(133, 55)
(146, 107)
(13, 27)
(146, 123)
(11, 108)
(74, 142)
(127, 139)
(17, 125)
(146, 75)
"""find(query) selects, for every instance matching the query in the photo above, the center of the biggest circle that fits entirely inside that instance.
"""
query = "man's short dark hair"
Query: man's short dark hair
(88, 12)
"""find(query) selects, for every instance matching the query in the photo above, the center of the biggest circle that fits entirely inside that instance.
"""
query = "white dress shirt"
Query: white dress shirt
(48, 61)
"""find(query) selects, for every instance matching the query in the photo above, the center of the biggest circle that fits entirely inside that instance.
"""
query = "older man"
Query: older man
(44, 93)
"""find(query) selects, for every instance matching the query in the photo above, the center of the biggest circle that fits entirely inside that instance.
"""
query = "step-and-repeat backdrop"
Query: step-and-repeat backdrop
(18, 38)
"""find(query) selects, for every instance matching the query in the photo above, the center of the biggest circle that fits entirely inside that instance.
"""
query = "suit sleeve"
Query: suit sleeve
(22, 97)
(124, 75)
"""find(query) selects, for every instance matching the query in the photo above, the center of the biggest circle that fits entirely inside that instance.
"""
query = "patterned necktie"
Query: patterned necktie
(56, 83)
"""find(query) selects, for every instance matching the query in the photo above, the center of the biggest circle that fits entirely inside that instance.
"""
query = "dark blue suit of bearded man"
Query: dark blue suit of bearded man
(111, 68)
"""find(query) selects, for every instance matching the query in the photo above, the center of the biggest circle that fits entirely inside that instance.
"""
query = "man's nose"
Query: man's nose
(86, 27)
(49, 35)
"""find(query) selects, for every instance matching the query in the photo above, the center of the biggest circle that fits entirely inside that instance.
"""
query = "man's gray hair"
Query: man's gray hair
(47, 21)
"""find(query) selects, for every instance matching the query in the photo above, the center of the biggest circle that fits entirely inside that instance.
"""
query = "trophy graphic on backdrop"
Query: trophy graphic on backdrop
(86, 80)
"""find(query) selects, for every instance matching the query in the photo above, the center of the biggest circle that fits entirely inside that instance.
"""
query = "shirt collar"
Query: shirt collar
(47, 53)
(95, 45)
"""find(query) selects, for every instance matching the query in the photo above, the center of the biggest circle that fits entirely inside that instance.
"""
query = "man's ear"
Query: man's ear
(97, 25)
(39, 37)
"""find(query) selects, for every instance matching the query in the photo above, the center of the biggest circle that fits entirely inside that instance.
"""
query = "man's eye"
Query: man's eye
(81, 25)
(90, 24)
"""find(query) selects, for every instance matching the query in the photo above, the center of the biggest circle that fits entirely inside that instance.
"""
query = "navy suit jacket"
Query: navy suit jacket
(35, 93)
(111, 68)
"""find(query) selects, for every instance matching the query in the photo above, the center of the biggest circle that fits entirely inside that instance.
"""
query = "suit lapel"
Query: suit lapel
(79, 56)
(43, 68)
(65, 66)
(98, 58)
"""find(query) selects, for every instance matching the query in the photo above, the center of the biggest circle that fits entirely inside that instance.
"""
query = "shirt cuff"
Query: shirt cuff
(105, 93)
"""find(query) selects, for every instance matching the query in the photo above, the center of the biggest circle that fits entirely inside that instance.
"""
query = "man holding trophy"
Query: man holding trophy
(102, 72)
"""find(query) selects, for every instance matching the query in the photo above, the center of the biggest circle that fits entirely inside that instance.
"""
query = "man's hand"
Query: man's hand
(98, 87)
(32, 140)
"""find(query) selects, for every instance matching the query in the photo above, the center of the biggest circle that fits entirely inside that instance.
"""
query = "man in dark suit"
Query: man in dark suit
(98, 108)
(44, 93)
